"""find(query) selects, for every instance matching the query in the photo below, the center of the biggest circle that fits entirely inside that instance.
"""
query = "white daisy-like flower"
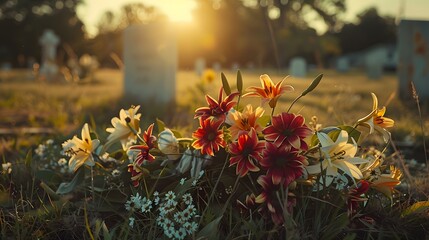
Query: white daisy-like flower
(116, 173)
(62, 162)
(191, 227)
(146, 205)
(131, 222)
(187, 198)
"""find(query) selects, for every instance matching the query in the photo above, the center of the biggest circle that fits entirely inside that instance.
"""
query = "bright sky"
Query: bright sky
(181, 10)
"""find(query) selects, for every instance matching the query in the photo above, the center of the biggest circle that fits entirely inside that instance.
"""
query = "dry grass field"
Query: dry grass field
(339, 99)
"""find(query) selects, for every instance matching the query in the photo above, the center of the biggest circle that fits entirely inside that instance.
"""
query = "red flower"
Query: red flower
(271, 202)
(289, 129)
(355, 196)
(143, 154)
(149, 138)
(246, 150)
(282, 164)
(217, 109)
(209, 137)
(137, 173)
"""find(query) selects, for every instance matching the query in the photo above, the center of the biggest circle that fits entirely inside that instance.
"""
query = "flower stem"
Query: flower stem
(92, 184)
(136, 133)
(214, 190)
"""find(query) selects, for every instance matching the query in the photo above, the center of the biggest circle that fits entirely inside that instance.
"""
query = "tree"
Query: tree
(30, 18)
(371, 29)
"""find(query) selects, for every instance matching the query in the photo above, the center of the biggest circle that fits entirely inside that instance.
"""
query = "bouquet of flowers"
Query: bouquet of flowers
(243, 172)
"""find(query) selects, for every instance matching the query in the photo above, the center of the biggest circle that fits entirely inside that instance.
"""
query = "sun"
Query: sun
(176, 11)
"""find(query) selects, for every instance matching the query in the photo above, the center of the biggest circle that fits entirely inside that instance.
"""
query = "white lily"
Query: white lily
(81, 150)
(337, 155)
(121, 131)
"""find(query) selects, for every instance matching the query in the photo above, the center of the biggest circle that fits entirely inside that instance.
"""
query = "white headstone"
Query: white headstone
(49, 42)
(217, 67)
(342, 64)
(200, 66)
(298, 67)
(235, 66)
(374, 60)
(150, 59)
(413, 48)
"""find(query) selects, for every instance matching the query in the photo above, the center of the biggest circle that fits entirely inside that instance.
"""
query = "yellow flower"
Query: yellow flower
(208, 76)
(244, 121)
(269, 91)
(385, 183)
(337, 155)
(376, 120)
(121, 131)
(81, 150)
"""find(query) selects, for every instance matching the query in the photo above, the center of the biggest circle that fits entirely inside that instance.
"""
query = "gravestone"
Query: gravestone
(150, 59)
(49, 42)
(413, 49)
(298, 67)
(217, 67)
(342, 64)
(374, 60)
(200, 66)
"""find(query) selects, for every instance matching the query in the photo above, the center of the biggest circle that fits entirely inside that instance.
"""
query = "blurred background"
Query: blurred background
(247, 33)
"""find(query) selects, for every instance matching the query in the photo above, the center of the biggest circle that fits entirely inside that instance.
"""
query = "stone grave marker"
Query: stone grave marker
(298, 67)
(374, 60)
(150, 60)
(342, 64)
(200, 66)
(413, 50)
(217, 67)
(49, 42)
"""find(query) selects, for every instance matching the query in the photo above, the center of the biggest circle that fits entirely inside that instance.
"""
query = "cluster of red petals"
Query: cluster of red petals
(355, 196)
(209, 138)
(283, 164)
(143, 155)
(245, 151)
(217, 109)
(269, 198)
(149, 138)
(288, 129)
(136, 174)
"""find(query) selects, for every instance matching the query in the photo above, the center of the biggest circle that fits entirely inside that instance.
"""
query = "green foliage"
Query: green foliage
(78, 179)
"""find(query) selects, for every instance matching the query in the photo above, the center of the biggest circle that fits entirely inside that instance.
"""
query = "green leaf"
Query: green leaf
(353, 132)
(49, 191)
(313, 85)
(160, 124)
(49, 176)
(176, 133)
(239, 82)
(65, 188)
(335, 227)
(264, 120)
(416, 208)
(210, 231)
(28, 158)
(225, 84)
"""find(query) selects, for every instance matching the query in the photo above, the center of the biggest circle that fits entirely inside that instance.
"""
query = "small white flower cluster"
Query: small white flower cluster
(43, 150)
(177, 219)
(176, 215)
(137, 203)
(48, 151)
(6, 168)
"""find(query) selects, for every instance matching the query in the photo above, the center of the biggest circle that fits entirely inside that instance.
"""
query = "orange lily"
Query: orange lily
(269, 91)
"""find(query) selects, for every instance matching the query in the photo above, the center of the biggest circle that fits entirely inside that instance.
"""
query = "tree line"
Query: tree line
(260, 33)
